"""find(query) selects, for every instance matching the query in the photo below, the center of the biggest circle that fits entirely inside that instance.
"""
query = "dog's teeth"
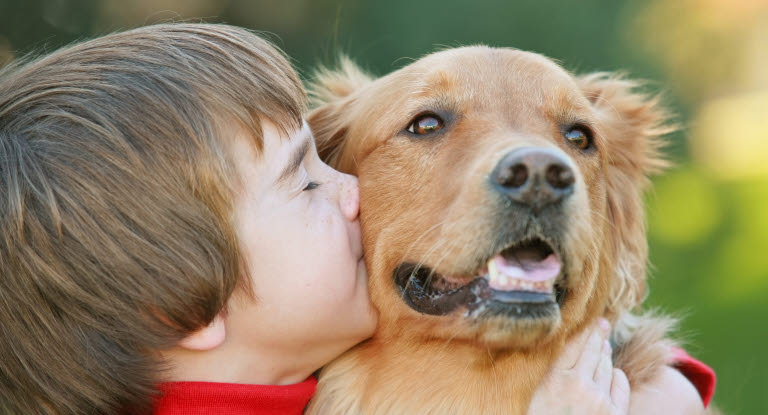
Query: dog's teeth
(506, 282)
(503, 281)
(493, 272)
(509, 281)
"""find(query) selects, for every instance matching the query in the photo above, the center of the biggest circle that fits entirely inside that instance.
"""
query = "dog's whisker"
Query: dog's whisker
(418, 239)
(440, 245)
(437, 265)
(443, 243)
(420, 264)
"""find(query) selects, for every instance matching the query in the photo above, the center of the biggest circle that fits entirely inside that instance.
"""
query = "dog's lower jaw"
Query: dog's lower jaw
(502, 333)
(369, 380)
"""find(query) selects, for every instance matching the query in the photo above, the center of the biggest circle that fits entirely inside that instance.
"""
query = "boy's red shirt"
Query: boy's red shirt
(202, 398)
(701, 375)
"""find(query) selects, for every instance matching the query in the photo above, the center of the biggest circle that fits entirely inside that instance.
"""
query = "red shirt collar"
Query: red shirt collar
(198, 398)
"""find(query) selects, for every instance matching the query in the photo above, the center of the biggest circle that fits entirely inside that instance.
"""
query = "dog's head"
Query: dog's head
(501, 197)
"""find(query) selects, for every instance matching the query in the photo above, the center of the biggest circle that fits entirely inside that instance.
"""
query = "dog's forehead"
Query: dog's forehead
(481, 71)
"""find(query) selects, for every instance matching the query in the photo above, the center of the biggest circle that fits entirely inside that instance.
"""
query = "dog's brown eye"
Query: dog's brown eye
(579, 137)
(425, 124)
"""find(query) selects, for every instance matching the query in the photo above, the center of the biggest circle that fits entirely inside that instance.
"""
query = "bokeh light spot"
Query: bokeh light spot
(730, 136)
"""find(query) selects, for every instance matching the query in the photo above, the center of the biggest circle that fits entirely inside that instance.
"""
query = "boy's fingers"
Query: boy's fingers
(604, 371)
(620, 391)
(590, 356)
(575, 347)
(572, 351)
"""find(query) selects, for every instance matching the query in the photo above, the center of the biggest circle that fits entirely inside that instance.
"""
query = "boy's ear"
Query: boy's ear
(631, 125)
(207, 338)
(332, 94)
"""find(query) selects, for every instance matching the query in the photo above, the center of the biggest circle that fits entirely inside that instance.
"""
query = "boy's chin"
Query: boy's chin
(363, 326)
(361, 265)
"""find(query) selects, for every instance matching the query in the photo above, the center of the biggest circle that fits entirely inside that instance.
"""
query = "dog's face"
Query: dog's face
(500, 196)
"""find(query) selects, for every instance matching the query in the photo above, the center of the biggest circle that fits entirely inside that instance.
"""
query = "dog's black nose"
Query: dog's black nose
(536, 177)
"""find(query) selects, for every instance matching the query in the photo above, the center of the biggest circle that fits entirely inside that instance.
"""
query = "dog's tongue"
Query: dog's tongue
(524, 272)
(528, 269)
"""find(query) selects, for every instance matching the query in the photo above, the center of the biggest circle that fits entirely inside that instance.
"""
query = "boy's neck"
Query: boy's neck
(230, 364)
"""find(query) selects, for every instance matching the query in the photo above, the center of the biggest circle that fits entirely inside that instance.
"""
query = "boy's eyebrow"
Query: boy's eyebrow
(295, 161)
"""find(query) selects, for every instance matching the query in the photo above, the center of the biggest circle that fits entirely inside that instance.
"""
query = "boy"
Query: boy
(165, 220)
(117, 215)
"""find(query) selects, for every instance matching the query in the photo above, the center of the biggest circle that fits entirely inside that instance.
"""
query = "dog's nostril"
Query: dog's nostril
(560, 176)
(513, 177)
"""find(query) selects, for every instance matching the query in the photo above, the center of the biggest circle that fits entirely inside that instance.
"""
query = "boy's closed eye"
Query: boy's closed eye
(312, 185)
(295, 161)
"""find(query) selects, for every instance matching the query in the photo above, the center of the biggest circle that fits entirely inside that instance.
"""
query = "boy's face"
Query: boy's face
(297, 222)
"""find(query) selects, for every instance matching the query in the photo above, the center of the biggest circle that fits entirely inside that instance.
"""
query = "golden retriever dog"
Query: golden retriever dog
(502, 213)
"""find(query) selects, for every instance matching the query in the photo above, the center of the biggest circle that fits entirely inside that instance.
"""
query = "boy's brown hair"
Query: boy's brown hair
(115, 205)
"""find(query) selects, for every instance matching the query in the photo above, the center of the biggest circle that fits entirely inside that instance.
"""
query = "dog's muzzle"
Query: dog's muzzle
(524, 275)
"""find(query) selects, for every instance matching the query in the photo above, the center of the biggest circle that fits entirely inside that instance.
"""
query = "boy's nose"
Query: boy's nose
(350, 198)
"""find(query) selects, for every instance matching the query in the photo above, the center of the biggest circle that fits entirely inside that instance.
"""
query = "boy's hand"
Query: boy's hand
(583, 380)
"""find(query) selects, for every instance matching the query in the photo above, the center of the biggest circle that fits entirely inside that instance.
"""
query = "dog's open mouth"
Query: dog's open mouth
(523, 280)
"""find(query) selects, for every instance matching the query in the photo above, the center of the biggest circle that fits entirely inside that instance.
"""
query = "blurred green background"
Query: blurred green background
(708, 216)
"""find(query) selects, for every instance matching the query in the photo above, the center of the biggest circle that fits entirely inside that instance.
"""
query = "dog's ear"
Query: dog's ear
(331, 96)
(631, 126)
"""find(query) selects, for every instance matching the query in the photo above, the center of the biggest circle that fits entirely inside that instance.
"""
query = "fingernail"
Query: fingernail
(604, 325)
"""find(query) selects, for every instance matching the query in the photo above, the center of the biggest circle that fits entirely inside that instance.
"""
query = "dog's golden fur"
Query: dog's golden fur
(422, 200)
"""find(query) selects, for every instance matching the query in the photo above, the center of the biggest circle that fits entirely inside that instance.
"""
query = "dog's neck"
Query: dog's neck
(370, 379)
